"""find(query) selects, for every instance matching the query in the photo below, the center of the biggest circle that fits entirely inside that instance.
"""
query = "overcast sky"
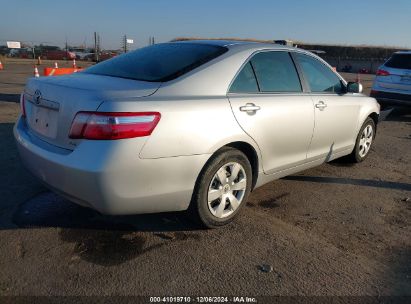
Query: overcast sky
(315, 21)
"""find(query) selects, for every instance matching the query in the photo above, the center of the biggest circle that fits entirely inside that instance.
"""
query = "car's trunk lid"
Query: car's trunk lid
(51, 103)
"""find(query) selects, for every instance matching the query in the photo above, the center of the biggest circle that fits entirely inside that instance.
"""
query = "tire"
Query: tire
(222, 164)
(363, 146)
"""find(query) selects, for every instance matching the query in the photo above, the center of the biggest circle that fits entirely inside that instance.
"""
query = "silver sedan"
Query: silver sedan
(190, 126)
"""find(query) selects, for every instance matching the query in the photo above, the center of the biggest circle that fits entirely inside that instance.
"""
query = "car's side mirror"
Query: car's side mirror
(354, 87)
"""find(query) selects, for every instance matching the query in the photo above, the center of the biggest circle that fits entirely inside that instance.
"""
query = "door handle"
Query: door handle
(250, 108)
(321, 105)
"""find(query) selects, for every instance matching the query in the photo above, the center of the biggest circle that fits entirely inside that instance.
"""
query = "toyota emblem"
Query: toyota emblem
(37, 96)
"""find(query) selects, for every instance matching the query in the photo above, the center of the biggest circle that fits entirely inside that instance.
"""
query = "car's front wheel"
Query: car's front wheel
(222, 188)
(364, 141)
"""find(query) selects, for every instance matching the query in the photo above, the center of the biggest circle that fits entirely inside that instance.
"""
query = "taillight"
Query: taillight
(381, 72)
(22, 105)
(109, 125)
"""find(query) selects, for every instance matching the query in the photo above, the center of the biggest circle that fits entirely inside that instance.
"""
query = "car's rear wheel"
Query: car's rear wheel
(222, 188)
(364, 141)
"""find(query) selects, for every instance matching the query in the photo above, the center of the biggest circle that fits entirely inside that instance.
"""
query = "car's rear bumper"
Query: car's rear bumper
(391, 98)
(109, 176)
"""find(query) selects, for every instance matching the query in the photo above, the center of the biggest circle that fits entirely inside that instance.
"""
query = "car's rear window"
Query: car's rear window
(158, 63)
(399, 61)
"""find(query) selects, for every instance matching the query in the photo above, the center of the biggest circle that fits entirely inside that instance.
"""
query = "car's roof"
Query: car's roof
(403, 52)
(234, 43)
(212, 42)
(220, 72)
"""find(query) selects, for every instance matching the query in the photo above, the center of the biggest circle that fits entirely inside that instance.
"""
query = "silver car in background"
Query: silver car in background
(190, 126)
(392, 84)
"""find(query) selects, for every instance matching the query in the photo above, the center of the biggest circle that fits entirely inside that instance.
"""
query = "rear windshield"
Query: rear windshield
(399, 61)
(158, 63)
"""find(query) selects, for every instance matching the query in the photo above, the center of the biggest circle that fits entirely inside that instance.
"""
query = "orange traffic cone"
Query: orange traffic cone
(1, 66)
(56, 65)
(36, 71)
(74, 63)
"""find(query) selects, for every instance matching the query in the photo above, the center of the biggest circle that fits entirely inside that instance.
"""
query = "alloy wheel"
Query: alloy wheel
(366, 140)
(227, 189)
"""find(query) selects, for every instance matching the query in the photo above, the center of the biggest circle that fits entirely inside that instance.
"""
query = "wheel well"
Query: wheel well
(251, 154)
(374, 116)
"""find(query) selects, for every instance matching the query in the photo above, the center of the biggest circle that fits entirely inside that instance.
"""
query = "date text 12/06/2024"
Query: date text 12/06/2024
(239, 299)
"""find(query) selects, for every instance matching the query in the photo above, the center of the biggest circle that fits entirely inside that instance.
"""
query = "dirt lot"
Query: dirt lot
(333, 230)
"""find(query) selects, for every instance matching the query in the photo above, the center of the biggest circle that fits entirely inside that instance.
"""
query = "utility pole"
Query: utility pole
(66, 49)
(96, 47)
(125, 43)
(34, 53)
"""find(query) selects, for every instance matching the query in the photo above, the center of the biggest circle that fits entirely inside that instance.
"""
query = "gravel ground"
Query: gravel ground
(333, 230)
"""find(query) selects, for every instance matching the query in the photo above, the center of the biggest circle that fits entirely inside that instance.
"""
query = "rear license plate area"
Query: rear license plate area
(43, 120)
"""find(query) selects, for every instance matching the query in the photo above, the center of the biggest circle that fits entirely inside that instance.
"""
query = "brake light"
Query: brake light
(381, 72)
(22, 105)
(109, 125)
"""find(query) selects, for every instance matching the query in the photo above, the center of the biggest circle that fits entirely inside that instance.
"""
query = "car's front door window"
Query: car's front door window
(319, 77)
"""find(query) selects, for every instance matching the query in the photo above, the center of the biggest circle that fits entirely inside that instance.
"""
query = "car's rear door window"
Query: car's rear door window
(399, 61)
(275, 72)
(158, 63)
(320, 78)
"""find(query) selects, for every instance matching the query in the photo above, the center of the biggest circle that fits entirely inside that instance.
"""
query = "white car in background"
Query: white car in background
(392, 85)
(83, 55)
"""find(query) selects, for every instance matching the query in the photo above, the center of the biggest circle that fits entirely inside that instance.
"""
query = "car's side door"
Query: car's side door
(336, 112)
(269, 103)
